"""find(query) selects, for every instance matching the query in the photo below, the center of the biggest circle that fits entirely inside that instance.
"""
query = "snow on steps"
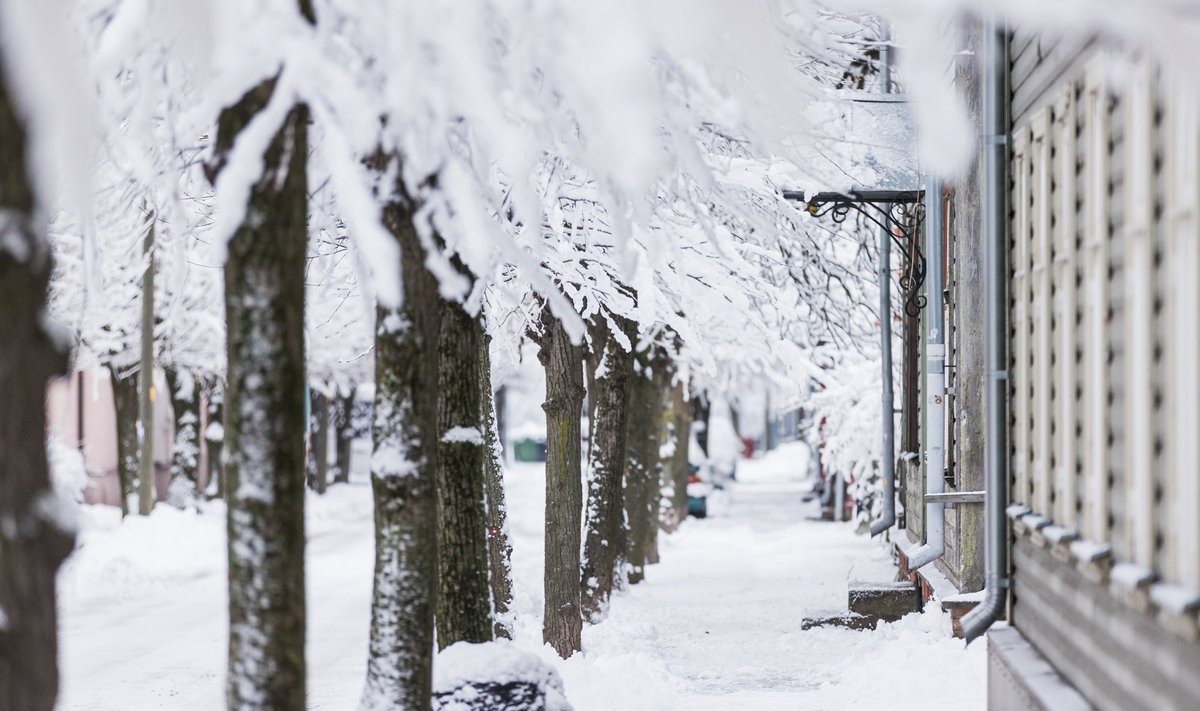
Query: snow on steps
(495, 676)
(871, 603)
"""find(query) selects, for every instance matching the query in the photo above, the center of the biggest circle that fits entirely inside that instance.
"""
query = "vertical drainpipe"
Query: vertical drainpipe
(888, 451)
(995, 138)
(839, 498)
(935, 383)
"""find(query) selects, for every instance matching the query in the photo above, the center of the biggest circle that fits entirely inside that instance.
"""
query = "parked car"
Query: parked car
(697, 491)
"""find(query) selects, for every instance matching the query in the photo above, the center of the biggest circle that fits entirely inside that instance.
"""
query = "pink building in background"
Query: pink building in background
(82, 414)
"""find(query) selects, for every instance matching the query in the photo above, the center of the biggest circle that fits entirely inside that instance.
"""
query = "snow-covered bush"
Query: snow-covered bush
(495, 676)
(67, 469)
(846, 415)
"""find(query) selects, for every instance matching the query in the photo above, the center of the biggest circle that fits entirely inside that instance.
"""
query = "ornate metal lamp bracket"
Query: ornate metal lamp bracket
(900, 213)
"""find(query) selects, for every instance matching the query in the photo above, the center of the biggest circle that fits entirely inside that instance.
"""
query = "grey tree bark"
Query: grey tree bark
(700, 411)
(343, 425)
(29, 357)
(185, 406)
(499, 544)
(464, 611)
(678, 422)
(562, 622)
(501, 401)
(605, 543)
(125, 401)
(216, 444)
(319, 438)
(660, 485)
(403, 478)
(264, 415)
(642, 471)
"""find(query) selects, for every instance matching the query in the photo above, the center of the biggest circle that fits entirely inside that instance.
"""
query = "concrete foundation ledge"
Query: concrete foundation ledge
(1020, 678)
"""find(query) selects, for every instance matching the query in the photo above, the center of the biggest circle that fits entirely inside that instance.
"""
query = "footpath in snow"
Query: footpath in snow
(716, 624)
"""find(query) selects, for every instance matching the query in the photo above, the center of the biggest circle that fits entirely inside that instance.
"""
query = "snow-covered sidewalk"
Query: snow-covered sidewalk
(716, 625)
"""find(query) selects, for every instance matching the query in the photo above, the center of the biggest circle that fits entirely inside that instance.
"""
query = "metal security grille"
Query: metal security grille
(1104, 309)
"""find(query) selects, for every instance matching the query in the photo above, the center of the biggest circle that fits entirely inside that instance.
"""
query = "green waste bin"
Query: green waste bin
(529, 450)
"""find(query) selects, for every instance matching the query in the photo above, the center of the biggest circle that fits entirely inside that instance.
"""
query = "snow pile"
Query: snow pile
(140, 556)
(496, 676)
(873, 666)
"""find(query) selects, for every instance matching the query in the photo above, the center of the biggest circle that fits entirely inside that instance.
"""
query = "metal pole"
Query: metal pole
(888, 404)
(146, 380)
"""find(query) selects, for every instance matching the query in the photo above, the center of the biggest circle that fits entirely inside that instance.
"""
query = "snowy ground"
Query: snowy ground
(716, 625)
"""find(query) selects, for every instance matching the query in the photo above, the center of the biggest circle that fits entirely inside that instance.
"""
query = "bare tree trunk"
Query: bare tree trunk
(502, 420)
(675, 463)
(145, 433)
(125, 401)
(319, 465)
(562, 622)
(403, 479)
(29, 356)
(499, 545)
(642, 469)
(659, 493)
(264, 416)
(605, 537)
(700, 411)
(185, 406)
(214, 435)
(464, 611)
(343, 424)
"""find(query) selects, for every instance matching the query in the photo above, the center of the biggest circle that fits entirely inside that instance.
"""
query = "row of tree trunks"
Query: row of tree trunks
(439, 503)
(330, 416)
(29, 357)
(464, 611)
(562, 360)
(403, 477)
(605, 544)
(498, 542)
(264, 414)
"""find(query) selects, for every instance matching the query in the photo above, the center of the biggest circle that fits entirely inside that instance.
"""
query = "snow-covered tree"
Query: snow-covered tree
(39, 524)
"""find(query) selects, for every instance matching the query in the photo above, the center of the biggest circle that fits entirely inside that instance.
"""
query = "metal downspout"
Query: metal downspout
(888, 412)
(935, 383)
(839, 498)
(995, 105)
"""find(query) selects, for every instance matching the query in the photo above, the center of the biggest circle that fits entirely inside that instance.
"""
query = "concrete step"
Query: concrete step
(848, 620)
(884, 601)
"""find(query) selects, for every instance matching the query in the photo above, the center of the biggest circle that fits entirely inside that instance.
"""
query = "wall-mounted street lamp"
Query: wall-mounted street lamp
(899, 213)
